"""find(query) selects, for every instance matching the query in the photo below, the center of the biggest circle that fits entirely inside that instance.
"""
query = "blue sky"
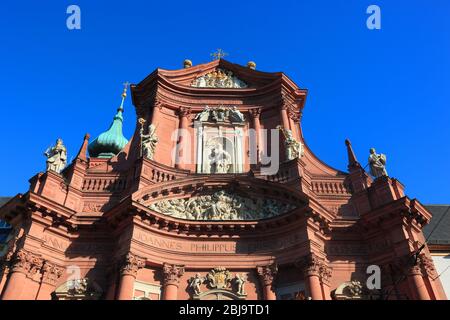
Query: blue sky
(387, 88)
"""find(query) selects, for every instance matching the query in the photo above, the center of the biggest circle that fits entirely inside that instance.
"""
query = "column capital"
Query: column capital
(26, 262)
(184, 111)
(255, 113)
(427, 265)
(312, 265)
(158, 104)
(130, 264)
(172, 273)
(267, 273)
(51, 273)
(325, 273)
(294, 114)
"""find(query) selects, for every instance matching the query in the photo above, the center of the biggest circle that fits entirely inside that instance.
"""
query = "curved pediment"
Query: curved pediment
(219, 74)
(221, 206)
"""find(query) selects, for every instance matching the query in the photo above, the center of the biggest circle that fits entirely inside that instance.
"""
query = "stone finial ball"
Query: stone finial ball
(187, 63)
(251, 65)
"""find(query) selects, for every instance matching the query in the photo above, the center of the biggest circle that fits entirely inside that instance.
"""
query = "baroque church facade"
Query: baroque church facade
(216, 196)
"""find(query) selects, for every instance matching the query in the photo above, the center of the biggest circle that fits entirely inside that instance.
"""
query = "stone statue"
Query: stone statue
(149, 142)
(195, 283)
(78, 286)
(355, 288)
(240, 283)
(56, 157)
(236, 115)
(204, 115)
(294, 149)
(220, 160)
(377, 163)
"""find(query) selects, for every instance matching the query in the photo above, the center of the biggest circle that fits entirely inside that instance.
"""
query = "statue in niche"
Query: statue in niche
(220, 160)
(204, 115)
(195, 283)
(235, 115)
(294, 149)
(377, 163)
(149, 142)
(240, 281)
(56, 157)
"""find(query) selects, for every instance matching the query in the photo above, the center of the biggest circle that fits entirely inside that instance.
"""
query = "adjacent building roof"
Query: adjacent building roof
(438, 230)
(4, 200)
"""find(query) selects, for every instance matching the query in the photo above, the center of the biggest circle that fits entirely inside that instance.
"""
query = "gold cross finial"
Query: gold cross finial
(124, 93)
(219, 54)
(125, 87)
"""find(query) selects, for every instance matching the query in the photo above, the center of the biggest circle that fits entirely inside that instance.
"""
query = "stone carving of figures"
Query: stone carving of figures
(196, 282)
(194, 207)
(377, 163)
(220, 114)
(236, 115)
(220, 160)
(149, 142)
(240, 284)
(219, 79)
(221, 206)
(294, 149)
(56, 157)
(355, 288)
(77, 286)
(204, 115)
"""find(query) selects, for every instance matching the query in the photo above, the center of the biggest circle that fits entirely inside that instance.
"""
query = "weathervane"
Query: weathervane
(219, 54)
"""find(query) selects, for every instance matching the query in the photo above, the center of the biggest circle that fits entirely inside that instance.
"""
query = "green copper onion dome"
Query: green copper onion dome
(112, 141)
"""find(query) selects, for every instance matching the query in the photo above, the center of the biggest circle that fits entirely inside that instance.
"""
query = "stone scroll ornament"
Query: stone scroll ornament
(219, 78)
(221, 206)
(56, 157)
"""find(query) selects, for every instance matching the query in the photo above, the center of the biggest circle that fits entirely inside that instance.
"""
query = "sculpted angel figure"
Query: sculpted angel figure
(377, 163)
(294, 149)
(204, 115)
(236, 115)
(196, 282)
(56, 157)
(240, 281)
(149, 142)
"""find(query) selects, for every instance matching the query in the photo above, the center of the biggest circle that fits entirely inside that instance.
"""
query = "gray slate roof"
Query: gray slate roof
(440, 223)
(4, 200)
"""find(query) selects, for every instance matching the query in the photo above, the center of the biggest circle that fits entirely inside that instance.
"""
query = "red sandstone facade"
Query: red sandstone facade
(94, 218)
